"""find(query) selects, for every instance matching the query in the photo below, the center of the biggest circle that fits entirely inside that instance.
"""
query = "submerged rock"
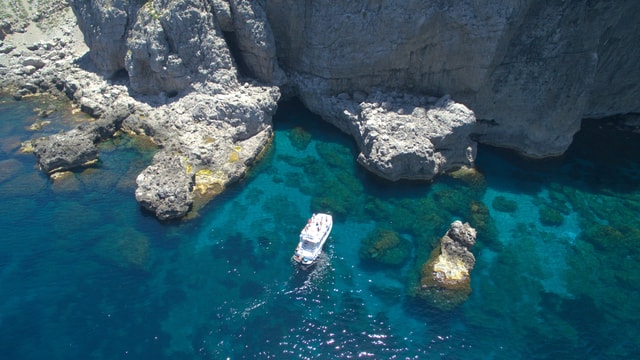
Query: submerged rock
(128, 248)
(385, 247)
(445, 278)
(64, 182)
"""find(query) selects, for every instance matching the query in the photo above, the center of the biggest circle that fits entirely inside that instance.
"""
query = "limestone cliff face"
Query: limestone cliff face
(529, 70)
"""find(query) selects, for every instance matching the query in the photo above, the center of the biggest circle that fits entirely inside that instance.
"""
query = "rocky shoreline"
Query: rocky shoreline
(206, 138)
(211, 128)
(203, 79)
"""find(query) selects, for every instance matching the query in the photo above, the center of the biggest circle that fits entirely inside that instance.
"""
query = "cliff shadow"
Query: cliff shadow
(85, 63)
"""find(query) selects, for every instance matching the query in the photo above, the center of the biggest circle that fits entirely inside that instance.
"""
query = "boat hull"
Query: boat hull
(312, 238)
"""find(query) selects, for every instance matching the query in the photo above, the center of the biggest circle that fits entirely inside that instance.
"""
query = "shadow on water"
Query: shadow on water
(601, 156)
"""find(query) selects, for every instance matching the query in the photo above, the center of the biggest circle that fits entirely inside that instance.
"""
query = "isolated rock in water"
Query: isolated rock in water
(462, 234)
(401, 136)
(445, 278)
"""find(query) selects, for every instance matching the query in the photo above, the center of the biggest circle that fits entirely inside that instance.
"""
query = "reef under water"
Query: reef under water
(84, 272)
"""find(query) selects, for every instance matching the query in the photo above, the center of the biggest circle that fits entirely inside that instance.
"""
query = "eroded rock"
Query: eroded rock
(401, 136)
(445, 278)
(65, 151)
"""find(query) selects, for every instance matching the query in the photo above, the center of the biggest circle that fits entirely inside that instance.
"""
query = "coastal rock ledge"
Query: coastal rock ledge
(445, 278)
(402, 136)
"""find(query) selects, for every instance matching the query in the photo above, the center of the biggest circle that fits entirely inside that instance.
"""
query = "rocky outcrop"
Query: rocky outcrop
(173, 44)
(104, 26)
(530, 70)
(183, 91)
(62, 152)
(402, 136)
(166, 46)
(445, 278)
(76, 148)
(253, 35)
(204, 134)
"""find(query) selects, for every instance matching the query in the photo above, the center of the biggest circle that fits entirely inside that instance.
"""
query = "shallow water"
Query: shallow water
(84, 273)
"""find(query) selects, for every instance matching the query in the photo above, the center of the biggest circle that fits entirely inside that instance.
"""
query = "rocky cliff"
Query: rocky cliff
(203, 78)
(529, 70)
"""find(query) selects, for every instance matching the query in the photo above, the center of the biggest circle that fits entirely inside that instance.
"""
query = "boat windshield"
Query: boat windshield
(308, 245)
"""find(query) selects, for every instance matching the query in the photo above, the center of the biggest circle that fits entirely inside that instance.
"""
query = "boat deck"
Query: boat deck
(317, 226)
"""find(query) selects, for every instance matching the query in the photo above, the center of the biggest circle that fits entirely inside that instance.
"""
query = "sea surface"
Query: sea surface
(86, 274)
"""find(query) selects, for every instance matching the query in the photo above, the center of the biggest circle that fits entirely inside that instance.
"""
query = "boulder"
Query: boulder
(36, 62)
(91, 107)
(65, 151)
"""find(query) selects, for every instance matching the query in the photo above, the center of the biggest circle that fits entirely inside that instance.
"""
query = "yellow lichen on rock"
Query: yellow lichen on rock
(61, 175)
(445, 280)
(469, 175)
(26, 147)
(38, 125)
(64, 182)
(209, 183)
(234, 156)
(453, 269)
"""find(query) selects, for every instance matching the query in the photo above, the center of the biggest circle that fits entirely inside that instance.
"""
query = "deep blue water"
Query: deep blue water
(84, 273)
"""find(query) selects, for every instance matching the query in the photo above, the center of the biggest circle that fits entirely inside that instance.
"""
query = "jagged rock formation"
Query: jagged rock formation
(445, 278)
(183, 90)
(405, 137)
(76, 148)
(529, 70)
(379, 70)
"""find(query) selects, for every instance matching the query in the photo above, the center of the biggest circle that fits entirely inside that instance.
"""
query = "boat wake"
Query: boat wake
(304, 280)
(307, 278)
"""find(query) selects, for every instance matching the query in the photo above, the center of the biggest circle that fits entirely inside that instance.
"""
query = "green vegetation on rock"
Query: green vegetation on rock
(300, 138)
(550, 216)
(385, 247)
(501, 203)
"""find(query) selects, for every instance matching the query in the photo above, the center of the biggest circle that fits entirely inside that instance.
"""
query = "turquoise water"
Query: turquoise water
(84, 273)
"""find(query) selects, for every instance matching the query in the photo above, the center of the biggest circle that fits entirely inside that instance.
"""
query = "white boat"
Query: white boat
(312, 238)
